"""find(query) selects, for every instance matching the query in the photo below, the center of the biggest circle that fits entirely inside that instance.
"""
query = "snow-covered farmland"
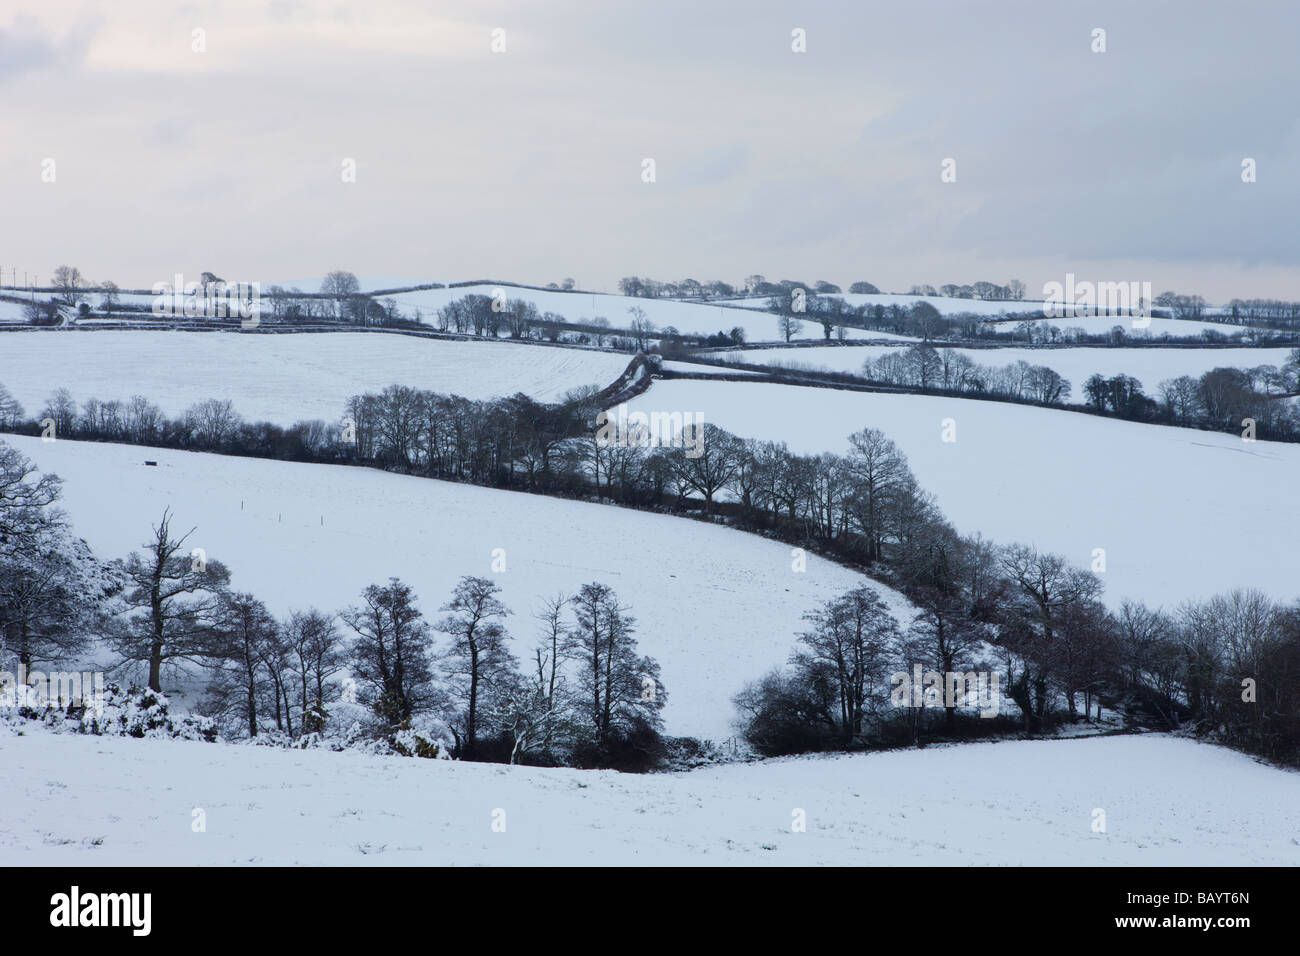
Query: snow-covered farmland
(12, 313)
(284, 378)
(1096, 325)
(1181, 514)
(716, 607)
(687, 317)
(945, 304)
(1157, 327)
(86, 801)
(1150, 366)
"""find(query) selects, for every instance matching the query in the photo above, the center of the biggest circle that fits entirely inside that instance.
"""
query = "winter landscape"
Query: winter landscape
(977, 552)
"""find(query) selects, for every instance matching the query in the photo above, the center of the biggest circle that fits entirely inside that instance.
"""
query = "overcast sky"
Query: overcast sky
(526, 165)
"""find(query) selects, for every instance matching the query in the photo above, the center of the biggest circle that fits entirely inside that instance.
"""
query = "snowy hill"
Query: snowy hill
(1150, 366)
(946, 305)
(1180, 513)
(687, 317)
(85, 801)
(1156, 327)
(284, 378)
(716, 607)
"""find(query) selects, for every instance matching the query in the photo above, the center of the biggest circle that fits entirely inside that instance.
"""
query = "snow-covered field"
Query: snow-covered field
(1181, 514)
(1150, 366)
(945, 304)
(1158, 327)
(686, 317)
(716, 607)
(12, 312)
(284, 378)
(85, 801)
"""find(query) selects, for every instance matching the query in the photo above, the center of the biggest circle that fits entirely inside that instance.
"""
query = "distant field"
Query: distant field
(284, 378)
(1158, 328)
(945, 304)
(687, 317)
(1150, 366)
(1182, 514)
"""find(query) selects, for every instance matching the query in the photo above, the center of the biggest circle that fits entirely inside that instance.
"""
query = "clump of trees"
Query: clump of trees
(583, 695)
(925, 367)
(1223, 399)
(646, 288)
(1222, 668)
(51, 587)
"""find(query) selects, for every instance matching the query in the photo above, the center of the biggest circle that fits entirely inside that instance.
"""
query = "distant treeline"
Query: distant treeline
(1222, 399)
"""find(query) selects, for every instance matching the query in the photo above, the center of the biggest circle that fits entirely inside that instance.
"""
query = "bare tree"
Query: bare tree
(391, 656)
(620, 687)
(71, 285)
(846, 647)
(313, 639)
(479, 660)
(177, 592)
(341, 286)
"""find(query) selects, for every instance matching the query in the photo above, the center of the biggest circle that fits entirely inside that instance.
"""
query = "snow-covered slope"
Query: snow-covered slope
(945, 304)
(1181, 514)
(284, 378)
(1150, 366)
(88, 801)
(716, 607)
(687, 317)
(1156, 327)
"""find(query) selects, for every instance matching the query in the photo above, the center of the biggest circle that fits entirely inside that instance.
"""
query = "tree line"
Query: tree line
(949, 370)
(864, 508)
(1224, 668)
(583, 695)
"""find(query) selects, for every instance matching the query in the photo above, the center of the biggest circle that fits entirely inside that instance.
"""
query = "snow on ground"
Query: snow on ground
(1182, 514)
(284, 378)
(12, 313)
(945, 304)
(1175, 328)
(84, 801)
(716, 607)
(1150, 366)
(1158, 327)
(367, 284)
(694, 369)
(687, 317)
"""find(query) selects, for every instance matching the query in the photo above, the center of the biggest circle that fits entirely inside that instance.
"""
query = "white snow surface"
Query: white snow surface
(946, 305)
(687, 317)
(85, 801)
(1181, 514)
(287, 377)
(993, 308)
(1150, 366)
(716, 607)
(1158, 327)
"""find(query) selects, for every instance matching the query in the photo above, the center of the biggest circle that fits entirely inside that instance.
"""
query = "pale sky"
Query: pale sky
(526, 165)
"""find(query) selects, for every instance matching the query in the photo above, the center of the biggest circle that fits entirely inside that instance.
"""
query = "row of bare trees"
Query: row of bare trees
(583, 694)
(925, 367)
(1224, 667)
